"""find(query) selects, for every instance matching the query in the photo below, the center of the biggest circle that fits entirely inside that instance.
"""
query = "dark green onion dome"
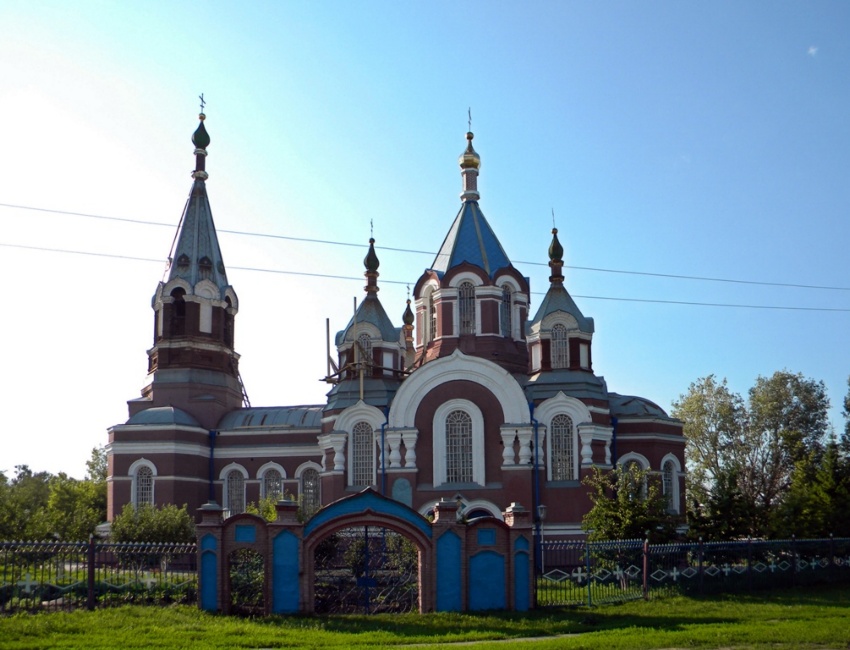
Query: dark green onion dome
(408, 314)
(556, 251)
(200, 138)
(371, 260)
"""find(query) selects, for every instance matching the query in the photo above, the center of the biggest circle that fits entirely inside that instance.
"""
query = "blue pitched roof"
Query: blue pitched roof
(471, 239)
(372, 311)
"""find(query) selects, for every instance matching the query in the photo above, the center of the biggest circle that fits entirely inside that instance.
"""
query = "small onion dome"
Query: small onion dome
(408, 314)
(371, 260)
(556, 251)
(469, 159)
(200, 138)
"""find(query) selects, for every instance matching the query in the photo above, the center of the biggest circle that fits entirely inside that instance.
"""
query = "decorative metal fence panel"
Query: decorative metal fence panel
(48, 576)
(366, 570)
(617, 571)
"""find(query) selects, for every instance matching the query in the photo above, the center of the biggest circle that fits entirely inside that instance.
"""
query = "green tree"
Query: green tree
(845, 438)
(75, 508)
(151, 524)
(627, 502)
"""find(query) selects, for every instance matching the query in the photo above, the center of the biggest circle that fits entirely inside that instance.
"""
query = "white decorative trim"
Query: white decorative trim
(357, 413)
(133, 472)
(633, 455)
(474, 278)
(675, 505)
(305, 466)
(222, 475)
(482, 504)
(270, 465)
(439, 440)
(458, 367)
(142, 462)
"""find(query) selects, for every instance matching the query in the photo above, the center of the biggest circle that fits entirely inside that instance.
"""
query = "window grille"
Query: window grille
(272, 485)
(631, 478)
(365, 343)
(362, 454)
(311, 497)
(458, 447)
(667, 474)
(432, 318)
(563, 449)
(144, 486)
(466, 298)
(507, 306)
(235, 492)
(560, 356)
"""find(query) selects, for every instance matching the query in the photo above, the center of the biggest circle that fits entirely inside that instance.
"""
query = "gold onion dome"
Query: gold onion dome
(469, 159)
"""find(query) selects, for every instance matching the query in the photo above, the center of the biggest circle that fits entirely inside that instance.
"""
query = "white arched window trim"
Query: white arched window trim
(134, 472)
(261, 476)
(577, 411)
(439, 443)
(224, 486)
(675, 502)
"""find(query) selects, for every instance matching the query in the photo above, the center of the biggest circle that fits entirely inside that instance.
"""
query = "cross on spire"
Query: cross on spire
(469, 121)
(203, 103)
(553, 217)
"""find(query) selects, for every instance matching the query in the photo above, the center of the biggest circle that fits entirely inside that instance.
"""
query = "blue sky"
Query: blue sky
(686, 139)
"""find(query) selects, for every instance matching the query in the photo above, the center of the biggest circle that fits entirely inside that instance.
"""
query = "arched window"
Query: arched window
(560, 355)
(466, 307)
(205, 267)
(235, 492)
(507, 309)
(362, 455)
(459, 447)
(562, 461)
(177, 327)
(364, 342)
(272, 485)
(432, 318)
(311, 496)
(143, 488)
(632, 479)
(668, 477)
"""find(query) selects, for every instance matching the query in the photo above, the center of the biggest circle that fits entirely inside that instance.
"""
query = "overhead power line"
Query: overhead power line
(329, 242)
(400, 282)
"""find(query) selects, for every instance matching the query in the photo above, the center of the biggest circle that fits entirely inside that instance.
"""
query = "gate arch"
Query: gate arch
(366, 510)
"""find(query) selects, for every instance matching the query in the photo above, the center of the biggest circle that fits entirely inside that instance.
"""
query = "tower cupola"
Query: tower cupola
(469, 162)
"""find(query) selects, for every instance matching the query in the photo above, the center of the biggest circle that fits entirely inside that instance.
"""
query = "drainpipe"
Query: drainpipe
(614, 441)
(384, 450)
(538, 555)
(211, 496)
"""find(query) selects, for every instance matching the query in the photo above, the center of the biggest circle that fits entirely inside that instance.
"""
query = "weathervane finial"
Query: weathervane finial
(203, 103)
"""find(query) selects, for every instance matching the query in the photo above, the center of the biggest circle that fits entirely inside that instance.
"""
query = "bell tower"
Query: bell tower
(192, 364)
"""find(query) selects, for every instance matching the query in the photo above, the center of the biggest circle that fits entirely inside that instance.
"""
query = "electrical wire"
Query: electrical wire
(399, 282)
(675, 276)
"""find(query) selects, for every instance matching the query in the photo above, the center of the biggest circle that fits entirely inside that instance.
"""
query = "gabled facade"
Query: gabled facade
(469, 399)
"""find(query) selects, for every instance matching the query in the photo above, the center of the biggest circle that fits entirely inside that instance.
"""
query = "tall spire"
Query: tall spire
(556, 259)
(195, 254)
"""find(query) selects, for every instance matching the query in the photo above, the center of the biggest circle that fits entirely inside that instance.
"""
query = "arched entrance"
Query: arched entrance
(366, 555)
(365, 570)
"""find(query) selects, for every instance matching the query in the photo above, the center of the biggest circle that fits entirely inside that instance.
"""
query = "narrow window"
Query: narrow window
(632, 480)
(272, 485)
(228, 323)
(178, 313)
(667, 478)
(507, 308)
(205, 268)
(563, 450)
(466, 307)
(310, 492)
(235, 486)
(432, 318)
(362, 454)
(560, 356)
(458, 447)
(364, 343)
(144, 486)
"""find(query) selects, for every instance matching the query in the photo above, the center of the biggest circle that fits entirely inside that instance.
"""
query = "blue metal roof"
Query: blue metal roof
(471, 239)
(558, 299)
(164, 415)
(273, 416)
(372, 311)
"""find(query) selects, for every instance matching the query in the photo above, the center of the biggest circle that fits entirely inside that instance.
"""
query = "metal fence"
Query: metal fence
(52, 576)
(593, 573)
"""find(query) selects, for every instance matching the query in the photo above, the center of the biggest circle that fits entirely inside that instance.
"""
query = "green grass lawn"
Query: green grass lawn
(800, 618)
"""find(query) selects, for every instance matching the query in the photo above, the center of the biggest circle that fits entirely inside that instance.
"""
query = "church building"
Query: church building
(473, 398)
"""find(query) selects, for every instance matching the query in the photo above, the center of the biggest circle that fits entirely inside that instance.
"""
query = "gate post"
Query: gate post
(285, 561)
(210, 580)
(522, 576)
